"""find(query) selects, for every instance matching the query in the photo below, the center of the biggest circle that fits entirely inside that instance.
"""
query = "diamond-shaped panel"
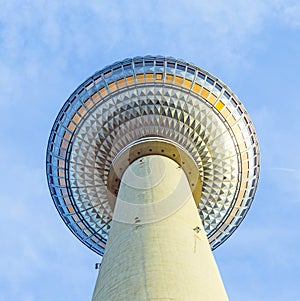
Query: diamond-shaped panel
(116, 119)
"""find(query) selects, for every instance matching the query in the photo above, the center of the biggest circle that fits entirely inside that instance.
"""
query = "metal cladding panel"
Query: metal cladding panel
(152, 96)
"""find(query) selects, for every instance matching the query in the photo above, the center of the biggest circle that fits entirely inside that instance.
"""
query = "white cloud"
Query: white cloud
(288, 12)
(71, 28)
(221, 32)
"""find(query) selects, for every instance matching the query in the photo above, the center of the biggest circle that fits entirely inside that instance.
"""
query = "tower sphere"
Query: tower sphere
(143, 106)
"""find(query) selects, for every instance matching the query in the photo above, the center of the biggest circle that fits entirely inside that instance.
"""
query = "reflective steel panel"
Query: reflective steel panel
(152, 96)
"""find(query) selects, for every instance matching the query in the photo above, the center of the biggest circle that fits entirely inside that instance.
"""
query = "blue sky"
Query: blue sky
(47, 48)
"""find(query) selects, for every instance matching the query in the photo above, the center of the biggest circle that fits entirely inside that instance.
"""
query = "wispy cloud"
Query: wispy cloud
(288, 12)
(221, 30)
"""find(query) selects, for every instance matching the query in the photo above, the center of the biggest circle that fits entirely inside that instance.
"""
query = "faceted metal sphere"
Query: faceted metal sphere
(152, 97)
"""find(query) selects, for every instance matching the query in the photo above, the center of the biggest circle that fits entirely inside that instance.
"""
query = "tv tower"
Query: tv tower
(153, 163)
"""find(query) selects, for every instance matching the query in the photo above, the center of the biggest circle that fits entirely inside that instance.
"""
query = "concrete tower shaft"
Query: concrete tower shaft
(168, 258)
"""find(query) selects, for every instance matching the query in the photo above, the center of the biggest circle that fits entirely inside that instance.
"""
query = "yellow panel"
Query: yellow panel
(239, 137)
(64, 192)
(62, 182)
(240, 197)
(178, 80)
(234, 211)
(103, 92)
(88, 233)
(62, 152)
(81, 225)
(242, 146)
(61, 173)
(70, 209)
(75, 218)
(159, 77)
(215, 236)
(231, 120)
(187, 84)
(196, 88)
(236, 129)
(169, 78)
(94, 239)
(219, 105)
(243, 185)
(223, 228)
(64, 144)
(76, 118)
(245, 165)
(82, 111)
(140, 78)
(67, 135)
(112, 87)
(89, 103)
(149, 77)
(67, 201)
(71, 126)
(225, 112)
(244, 156)
(245, 173)
(204, 93)
(61, 163)
(130, 80)
(218, 234)
(229, 220)
(212, 98)
(121, 83)
(243, 188)
(96, 97)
